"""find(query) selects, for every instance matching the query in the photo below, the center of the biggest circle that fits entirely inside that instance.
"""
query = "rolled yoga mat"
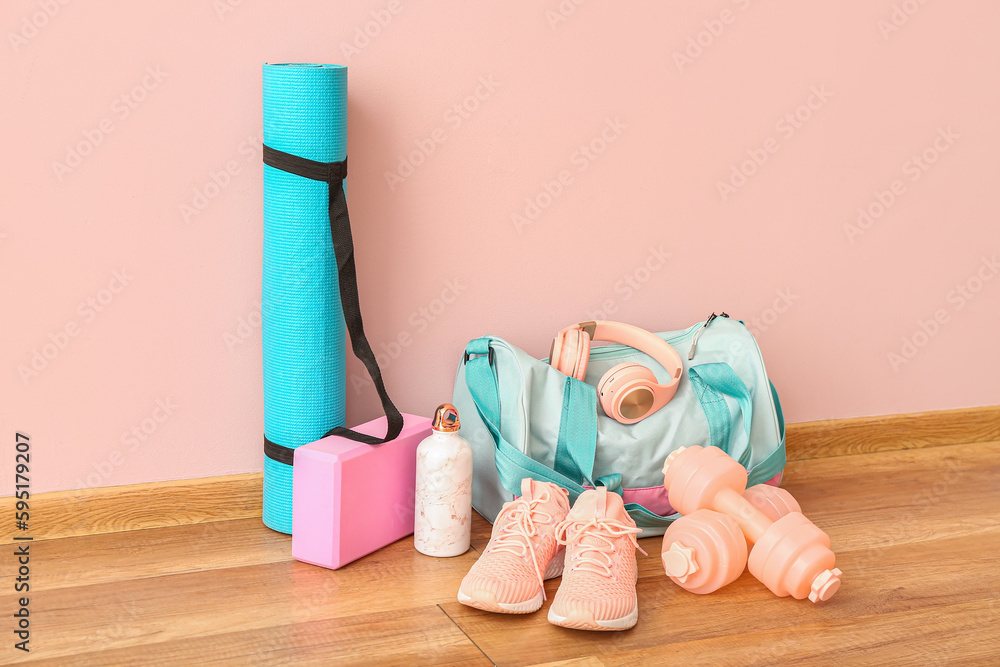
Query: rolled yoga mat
(310, 285)
(305, 114)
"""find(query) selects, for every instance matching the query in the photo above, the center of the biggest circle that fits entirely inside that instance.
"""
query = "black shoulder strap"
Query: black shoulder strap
(334, 173)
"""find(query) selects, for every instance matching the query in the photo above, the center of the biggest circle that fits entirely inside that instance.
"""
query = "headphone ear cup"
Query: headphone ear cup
(625, 392)
(570, 353)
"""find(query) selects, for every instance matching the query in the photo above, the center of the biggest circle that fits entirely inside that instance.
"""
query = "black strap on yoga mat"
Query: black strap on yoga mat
(276, 452)
(334, 173)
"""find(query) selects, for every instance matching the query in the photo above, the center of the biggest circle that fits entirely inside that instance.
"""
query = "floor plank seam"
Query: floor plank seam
(462, 630)
(886, 451)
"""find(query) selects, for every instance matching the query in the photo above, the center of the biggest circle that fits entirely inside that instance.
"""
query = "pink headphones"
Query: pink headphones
(628, 392)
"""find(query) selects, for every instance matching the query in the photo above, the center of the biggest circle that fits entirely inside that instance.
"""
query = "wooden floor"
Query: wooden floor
(916, 532)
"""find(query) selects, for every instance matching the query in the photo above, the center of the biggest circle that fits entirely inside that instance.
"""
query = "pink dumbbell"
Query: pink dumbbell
(773, 501)
(717, 540)
(789, 554)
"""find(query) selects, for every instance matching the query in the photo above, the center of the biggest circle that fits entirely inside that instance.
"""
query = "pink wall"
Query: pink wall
(150, 315)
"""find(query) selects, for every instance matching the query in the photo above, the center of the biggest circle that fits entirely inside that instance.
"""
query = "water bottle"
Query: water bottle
(442, 522)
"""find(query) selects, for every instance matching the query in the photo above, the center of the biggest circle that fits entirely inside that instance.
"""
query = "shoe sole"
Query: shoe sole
(583, 619)
(487, 601)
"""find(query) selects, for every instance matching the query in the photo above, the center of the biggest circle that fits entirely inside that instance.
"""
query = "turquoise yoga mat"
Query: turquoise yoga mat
(305, 114)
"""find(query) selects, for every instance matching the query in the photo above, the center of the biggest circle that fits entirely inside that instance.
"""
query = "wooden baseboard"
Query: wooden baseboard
(114, 509)
(860, 435)
(160, 504)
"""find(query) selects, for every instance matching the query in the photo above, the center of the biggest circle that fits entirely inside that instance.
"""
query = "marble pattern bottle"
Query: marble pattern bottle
(442, 522)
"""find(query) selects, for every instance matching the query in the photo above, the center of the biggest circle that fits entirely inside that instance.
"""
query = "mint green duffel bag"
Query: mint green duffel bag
(526, 419)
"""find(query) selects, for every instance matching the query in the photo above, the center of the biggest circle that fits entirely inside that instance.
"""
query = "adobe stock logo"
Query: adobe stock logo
(550, 190)
(218, 180)
(562, 12)
(419, 320)
(629, 284)
(786, 126)
(87, 310)
(454, 116)
(898, 17)
(913, 168)
(246, 326)
(31, 24)
(133, 439)
(704, 39)
(364, 35)
(224, 7)
(957, 298)
(784, 299)
(122, 107)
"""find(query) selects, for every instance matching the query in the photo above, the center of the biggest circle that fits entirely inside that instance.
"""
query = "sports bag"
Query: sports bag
(524, 418)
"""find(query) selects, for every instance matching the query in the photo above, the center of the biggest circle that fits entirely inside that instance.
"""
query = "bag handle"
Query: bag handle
(576, 446)
(712, 383)
(333, 174)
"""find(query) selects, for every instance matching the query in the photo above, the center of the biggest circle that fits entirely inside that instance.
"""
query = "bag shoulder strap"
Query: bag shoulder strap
(333, 174)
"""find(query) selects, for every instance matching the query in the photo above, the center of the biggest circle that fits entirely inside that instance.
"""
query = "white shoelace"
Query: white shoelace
(595, 558)
(522, 517)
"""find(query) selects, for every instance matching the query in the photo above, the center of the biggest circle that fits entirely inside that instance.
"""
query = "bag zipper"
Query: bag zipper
(697, 335)
(615, 348)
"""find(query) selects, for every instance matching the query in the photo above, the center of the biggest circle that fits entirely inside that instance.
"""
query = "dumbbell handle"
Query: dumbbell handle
(751, 520)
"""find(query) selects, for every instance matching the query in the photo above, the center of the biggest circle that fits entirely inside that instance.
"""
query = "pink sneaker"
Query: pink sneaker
(522, 553)
(598, 585)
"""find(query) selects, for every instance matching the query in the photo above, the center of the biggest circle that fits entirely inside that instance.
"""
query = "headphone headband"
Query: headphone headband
(628, 391)
(640, 339)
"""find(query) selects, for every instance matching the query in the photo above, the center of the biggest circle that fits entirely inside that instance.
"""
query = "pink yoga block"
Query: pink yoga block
(350, 499)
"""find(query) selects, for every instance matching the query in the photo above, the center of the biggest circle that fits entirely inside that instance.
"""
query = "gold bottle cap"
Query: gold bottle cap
(446, 419)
